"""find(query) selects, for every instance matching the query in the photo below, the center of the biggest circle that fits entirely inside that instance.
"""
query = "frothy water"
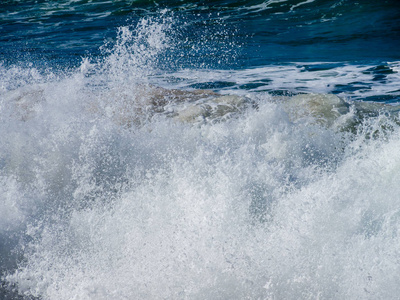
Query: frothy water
(108, 193)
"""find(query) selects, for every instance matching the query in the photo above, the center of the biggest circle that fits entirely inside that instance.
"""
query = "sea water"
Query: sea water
(184, 150)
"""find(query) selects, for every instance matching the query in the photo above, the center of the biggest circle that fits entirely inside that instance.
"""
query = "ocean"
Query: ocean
(199, 150)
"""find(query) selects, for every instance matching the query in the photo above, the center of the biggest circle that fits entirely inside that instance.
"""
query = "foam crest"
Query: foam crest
(112, 187)
(176, 203)
(262, 205)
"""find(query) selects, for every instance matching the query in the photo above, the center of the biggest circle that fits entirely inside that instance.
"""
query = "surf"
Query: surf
(121, 177)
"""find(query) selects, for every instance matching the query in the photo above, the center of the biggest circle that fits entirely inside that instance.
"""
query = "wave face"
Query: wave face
(174, 150)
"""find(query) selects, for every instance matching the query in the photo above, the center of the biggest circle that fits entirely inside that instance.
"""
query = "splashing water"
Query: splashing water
(103, 196)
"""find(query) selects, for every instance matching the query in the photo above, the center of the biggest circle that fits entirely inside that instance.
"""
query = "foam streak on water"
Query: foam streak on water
(106, 194)
(352, 81)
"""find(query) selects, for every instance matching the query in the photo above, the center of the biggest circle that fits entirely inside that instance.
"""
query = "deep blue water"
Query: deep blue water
(268, 31)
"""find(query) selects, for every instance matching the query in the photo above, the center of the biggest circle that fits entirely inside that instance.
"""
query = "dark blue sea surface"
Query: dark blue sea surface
(267, 31)
(199, 150)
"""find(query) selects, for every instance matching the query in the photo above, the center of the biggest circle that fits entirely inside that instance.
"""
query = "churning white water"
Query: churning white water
(105, 194)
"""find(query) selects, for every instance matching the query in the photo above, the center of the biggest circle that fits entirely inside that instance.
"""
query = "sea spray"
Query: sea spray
(266, 203)
(219, 211)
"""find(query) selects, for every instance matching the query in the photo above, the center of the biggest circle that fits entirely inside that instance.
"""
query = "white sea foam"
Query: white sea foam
(270, 203)
(300, 4)
(295, 78)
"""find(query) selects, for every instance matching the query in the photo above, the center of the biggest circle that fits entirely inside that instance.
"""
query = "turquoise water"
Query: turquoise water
(177, 150)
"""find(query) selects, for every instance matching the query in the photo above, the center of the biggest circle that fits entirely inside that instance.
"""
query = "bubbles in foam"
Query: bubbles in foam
(262, 205)
(212, 211)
